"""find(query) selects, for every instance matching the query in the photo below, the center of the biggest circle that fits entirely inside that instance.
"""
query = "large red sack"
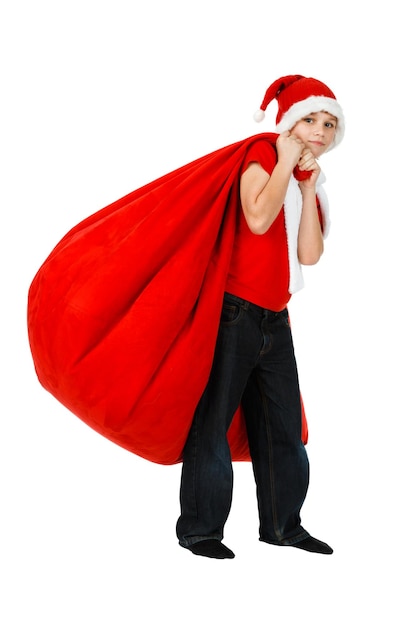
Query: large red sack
(123, 314)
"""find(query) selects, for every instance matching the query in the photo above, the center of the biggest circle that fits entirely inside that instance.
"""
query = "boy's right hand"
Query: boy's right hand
(289, 148)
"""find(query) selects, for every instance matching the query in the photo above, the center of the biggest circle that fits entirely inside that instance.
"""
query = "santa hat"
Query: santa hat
(298, 96)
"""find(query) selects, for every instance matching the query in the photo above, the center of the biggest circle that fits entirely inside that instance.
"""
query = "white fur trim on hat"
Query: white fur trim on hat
(313, 104)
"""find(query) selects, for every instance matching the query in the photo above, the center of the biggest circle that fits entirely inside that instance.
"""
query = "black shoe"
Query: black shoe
(211, 548)
(313, 545)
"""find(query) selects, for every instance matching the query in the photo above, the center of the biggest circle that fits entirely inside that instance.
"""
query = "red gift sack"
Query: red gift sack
(123, 314)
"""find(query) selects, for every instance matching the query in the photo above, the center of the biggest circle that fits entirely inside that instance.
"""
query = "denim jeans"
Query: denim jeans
(254, 365)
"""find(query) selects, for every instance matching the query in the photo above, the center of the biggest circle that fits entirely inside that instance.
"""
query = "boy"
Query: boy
(279, 228)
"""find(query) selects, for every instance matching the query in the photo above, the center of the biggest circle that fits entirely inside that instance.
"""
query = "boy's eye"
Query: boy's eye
(308, 120)
(330, 125)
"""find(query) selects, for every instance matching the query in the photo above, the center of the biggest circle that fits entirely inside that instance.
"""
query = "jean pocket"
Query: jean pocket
(231, 314)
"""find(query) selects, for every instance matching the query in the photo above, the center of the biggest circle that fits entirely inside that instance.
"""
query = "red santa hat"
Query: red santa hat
(298, 96)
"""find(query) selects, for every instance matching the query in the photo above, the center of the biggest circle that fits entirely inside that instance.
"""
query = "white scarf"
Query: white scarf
(292, 211)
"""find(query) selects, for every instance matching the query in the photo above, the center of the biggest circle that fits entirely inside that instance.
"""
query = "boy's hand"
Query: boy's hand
(307, 162)
(289, 148)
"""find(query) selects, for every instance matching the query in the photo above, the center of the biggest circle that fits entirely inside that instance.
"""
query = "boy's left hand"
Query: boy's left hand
(307, 162)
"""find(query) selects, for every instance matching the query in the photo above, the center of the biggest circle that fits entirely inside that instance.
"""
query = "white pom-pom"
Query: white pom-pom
(259, 115)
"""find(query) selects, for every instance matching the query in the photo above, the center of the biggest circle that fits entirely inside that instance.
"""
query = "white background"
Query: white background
(98, 98)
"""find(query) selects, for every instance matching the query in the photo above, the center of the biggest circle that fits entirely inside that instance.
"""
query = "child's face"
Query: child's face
(316, 131)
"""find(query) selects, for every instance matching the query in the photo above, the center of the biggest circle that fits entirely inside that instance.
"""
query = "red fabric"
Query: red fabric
(123, 314)
(259, 268)
(301, 174)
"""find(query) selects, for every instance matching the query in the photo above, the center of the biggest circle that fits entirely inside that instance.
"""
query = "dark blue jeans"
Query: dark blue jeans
(254, 365)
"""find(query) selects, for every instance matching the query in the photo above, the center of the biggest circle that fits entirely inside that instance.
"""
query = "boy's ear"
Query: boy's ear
(301, 174)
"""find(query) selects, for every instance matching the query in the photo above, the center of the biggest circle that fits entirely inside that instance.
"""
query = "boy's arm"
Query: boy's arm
(310, 235)
(262, 195)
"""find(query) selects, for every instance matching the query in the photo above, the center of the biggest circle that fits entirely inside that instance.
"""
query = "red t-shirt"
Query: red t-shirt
(259, 268)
